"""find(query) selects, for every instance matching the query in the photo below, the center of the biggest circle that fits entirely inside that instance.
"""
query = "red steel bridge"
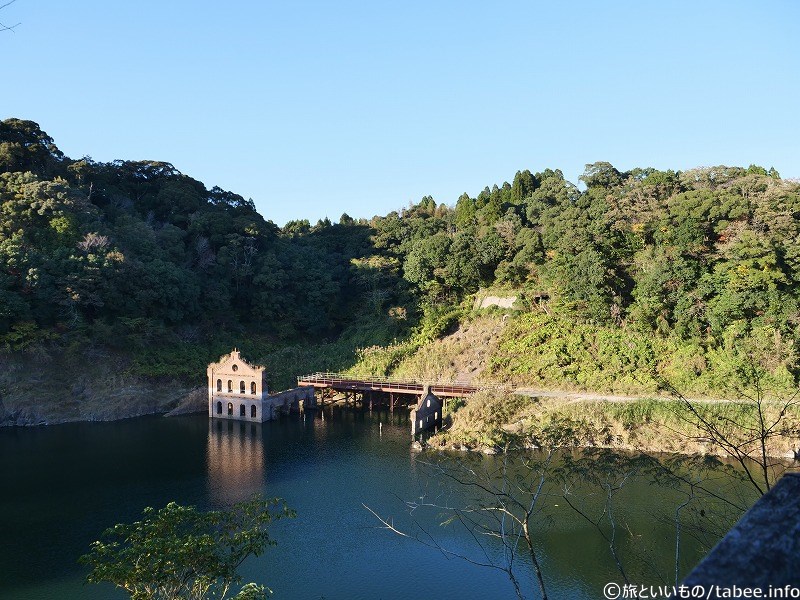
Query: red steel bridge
(347, 384)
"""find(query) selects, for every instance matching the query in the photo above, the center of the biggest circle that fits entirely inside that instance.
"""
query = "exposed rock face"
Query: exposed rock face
(21, 416)
(196, 401)
(48, 389)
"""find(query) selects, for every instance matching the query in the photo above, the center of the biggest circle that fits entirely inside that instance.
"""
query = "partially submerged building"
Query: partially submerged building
(428, 412)
(238, 390)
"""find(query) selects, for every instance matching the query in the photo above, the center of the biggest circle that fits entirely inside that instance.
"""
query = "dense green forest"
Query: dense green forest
(137, 257)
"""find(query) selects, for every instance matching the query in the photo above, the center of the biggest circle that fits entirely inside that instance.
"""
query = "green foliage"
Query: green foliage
(553, 350)
(643, 270)
(557, 351)
(182, 552)
(25, 147)
(383, 360)
(482, 422)
(499, 420)
(87, 249)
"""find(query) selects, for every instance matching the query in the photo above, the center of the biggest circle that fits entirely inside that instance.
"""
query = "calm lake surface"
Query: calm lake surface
(62, 485)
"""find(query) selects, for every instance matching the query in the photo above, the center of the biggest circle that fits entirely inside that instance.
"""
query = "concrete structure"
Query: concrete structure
(500, 301)
(762, 551)
(238, 390)
(486, 299)
(425, 399)
(428, 413)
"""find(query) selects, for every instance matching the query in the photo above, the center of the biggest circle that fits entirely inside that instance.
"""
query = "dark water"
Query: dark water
(62, 485)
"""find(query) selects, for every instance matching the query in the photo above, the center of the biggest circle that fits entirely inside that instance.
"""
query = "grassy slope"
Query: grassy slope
(555, 352)
(461, 355)
(525, 349)
(547, 351)
(490, 420)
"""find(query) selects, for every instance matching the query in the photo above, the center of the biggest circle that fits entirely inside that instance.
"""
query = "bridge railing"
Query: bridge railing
(328, 377)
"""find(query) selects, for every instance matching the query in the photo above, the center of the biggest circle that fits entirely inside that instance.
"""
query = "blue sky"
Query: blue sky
(315, 109)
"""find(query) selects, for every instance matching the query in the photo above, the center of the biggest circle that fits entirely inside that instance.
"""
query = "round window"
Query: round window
(235, 368)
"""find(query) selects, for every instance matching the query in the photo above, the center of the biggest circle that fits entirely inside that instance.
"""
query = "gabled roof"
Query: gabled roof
(227, 362)
(427, 394)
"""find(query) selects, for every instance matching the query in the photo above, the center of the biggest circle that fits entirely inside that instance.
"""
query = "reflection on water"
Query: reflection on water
(63, 485)
(235, 459)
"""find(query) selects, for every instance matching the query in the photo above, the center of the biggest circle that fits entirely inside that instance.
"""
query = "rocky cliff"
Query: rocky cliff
(47, 388)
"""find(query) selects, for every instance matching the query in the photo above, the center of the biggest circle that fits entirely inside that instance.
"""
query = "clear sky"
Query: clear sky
(318, 108)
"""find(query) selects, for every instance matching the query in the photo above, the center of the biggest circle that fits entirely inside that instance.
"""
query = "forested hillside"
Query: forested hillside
(138, 258)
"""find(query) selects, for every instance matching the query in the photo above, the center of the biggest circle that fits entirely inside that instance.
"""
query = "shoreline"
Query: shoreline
(487, 423)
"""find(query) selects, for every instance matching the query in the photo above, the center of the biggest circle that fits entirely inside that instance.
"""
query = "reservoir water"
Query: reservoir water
(62, 485)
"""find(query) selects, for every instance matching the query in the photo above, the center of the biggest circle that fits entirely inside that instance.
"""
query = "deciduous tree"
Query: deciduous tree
(180, 552)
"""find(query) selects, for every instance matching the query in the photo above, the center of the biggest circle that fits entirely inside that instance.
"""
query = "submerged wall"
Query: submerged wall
(257, 409)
